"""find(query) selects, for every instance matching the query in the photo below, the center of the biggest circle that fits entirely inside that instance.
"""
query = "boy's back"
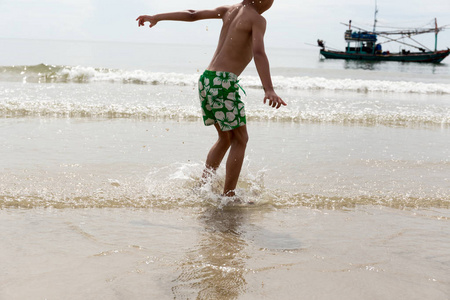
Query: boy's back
(234, 50)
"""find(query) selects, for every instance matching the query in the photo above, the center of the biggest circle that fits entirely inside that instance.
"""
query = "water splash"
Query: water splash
(180, 185)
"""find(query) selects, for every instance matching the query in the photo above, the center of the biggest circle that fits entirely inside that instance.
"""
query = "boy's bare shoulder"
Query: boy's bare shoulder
(249, 13)
(224, 9)
(255, 17)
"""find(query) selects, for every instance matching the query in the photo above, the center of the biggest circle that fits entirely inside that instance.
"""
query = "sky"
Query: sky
(291, 23)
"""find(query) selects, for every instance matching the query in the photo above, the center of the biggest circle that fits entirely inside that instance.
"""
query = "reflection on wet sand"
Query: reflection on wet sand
(215, 268)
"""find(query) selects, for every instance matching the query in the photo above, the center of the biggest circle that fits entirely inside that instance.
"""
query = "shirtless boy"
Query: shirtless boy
(241, 39)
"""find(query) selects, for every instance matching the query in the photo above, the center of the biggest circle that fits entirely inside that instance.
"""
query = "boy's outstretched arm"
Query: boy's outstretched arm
(262, 64)
(186, 16)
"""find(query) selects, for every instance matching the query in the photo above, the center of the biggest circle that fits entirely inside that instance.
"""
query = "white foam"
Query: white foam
(321, 112)
(82, 74)
(88, 74)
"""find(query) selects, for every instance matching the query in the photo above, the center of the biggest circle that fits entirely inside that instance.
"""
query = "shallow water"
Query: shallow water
(116, 162)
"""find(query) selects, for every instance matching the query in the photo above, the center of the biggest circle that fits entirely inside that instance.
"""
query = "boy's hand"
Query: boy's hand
(142, 19)
(274, 100)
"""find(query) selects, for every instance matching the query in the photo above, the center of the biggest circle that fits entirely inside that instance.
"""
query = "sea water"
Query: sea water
(103, 148)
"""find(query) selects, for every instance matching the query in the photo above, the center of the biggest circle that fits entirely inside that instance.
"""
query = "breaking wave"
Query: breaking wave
(314, 114)
(43, 73)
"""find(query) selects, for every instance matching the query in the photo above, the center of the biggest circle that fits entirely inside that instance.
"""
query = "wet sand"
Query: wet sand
(255, 252)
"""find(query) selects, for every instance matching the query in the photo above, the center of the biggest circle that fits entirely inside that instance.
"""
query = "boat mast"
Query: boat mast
(436, 30)
(375, 17)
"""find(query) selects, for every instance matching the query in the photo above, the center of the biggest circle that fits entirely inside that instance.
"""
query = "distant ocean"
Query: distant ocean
(102, 144)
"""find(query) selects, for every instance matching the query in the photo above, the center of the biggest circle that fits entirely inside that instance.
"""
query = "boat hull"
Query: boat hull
(423, 57)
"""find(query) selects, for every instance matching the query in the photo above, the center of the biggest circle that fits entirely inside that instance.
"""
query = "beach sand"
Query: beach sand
(254, 252)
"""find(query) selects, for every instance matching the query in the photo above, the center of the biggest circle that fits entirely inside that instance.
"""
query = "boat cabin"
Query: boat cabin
(361, 42)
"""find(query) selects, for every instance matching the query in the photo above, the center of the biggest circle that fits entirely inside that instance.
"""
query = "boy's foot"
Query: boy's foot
(236, 200)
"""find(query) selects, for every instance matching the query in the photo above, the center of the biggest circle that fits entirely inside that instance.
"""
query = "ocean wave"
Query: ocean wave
(43, 73)
(324, 114)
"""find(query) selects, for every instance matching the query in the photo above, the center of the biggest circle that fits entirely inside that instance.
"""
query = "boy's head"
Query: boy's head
(261, 5)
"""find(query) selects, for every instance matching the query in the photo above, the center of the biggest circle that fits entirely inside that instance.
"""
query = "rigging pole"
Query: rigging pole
(436, 30)
(375, 17)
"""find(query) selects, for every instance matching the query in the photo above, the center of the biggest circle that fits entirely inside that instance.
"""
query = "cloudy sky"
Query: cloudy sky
(291, 23)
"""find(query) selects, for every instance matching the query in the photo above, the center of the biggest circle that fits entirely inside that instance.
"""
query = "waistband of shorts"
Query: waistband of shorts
(232, 76)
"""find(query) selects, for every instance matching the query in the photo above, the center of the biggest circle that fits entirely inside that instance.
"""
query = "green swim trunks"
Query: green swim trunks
(220, 100)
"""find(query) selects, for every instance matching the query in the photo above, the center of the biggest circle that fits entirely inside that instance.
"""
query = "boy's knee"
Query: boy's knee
(245, 138)
(240, 138)
(225, 140)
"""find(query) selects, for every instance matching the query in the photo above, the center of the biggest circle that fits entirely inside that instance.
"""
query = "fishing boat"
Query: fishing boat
(364, 45)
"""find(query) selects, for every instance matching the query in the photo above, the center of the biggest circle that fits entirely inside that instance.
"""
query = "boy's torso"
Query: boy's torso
(234, 50)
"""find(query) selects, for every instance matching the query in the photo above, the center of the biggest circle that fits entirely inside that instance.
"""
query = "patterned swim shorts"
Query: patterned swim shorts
(220, 100)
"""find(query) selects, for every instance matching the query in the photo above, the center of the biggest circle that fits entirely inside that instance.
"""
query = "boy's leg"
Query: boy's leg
(217, 152)
(239, 139)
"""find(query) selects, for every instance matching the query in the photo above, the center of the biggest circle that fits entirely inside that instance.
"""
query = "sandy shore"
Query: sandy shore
(234, 253)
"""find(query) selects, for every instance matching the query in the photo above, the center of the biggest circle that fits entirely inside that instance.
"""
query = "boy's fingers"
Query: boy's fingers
(279, 102)
(274, 101)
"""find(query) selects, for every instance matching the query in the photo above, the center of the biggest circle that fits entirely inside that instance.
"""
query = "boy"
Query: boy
(241, 39)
